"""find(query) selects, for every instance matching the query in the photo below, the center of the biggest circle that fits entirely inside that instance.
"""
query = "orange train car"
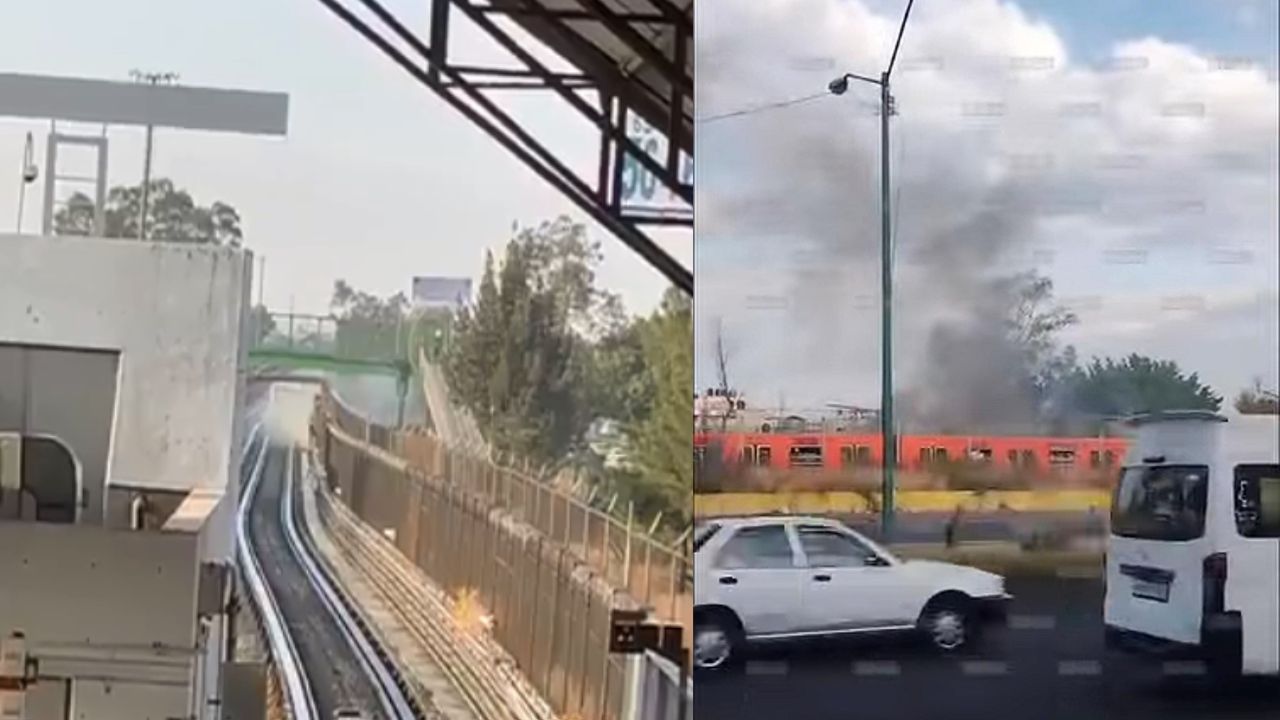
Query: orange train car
(839, 451)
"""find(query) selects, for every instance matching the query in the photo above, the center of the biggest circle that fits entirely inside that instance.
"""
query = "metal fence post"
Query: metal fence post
(626, 553)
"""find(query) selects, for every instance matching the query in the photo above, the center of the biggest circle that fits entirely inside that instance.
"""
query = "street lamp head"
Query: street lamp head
(839, 85)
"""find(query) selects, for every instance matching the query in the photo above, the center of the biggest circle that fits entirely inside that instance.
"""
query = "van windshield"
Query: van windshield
(1160, 502)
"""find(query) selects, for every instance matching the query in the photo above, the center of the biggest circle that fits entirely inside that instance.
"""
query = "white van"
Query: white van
(1193, 558)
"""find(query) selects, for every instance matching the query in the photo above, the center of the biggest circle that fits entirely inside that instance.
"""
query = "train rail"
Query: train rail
(475, 664)
(326, 660)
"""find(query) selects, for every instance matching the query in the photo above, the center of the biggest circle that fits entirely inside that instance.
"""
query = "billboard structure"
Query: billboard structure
(441, 293)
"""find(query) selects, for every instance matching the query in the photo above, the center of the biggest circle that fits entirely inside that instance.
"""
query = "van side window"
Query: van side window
(1257, 500)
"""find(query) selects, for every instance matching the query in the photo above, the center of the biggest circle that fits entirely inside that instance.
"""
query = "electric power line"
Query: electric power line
(761, 108)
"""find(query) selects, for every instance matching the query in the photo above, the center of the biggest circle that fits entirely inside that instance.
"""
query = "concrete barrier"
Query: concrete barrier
(844, 503)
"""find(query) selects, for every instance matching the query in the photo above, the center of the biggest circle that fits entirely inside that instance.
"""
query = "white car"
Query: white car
(788, 577)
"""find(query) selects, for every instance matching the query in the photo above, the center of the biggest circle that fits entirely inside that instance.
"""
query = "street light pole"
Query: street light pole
(889, 453)
(153, 79)
(889, 461)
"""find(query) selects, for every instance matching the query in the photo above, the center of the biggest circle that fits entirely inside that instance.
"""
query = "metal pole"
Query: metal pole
(889, 456)
(27, 176)
(146, 185)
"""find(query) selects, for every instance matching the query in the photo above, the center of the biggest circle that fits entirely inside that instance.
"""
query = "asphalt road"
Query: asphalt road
(1045, 662)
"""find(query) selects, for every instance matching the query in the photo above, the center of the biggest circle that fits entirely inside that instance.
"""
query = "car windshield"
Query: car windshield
(1160, 502)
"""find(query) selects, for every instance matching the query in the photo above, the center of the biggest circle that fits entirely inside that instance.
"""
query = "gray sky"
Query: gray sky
(1130, 159)
(378, 180)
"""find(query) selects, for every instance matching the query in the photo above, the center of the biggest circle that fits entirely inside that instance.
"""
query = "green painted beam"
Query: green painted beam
(301, 360)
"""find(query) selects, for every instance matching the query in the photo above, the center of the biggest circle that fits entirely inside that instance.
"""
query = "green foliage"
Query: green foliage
(661, 436)
(262, 323)
(1107, 388)
(542, 354)
(172, 215)
(522, 353)
(368, 327)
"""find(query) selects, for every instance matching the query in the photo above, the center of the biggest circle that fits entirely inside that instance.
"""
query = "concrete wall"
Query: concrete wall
(176, 315)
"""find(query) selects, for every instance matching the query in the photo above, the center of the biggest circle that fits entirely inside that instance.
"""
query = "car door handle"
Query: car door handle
(822, 578)
(728, 580)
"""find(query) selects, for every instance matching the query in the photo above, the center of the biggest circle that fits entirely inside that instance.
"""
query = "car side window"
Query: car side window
(761, 547)
(825, 547)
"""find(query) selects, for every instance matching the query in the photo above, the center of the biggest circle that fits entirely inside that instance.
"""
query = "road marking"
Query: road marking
(984, 667)
(1183, 667)
(1079, 667)
(762, 667)
(1032, 622)
(877, 667)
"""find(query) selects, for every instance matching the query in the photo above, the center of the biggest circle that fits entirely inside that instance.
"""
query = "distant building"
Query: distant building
(441, 293)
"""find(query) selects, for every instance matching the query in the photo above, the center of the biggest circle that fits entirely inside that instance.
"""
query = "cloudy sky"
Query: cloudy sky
(378, 179)
(1129, 155)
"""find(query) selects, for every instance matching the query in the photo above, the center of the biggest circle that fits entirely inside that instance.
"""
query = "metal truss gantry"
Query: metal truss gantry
(634, 54)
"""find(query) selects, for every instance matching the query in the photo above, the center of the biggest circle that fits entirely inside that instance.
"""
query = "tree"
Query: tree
(172, 215)
(521, 361)
(1257, 400)
(262, 323)
(543, 354)
(1107, 388)
(347, 303)
(662, 440)
(368, 327)
(998, 368)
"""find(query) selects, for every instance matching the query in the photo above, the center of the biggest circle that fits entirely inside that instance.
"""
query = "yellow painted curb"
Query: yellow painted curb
(844, 502)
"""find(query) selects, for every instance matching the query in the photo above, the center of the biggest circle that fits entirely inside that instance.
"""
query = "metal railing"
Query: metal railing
(283, 654)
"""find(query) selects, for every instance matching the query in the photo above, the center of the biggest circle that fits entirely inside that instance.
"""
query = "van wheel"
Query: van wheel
(948, 623)
(717, 640)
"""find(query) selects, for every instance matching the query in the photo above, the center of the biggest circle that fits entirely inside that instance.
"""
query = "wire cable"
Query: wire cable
(761, 108)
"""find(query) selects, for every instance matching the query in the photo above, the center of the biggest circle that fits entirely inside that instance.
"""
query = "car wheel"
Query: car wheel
(716, 640)
(948, 625)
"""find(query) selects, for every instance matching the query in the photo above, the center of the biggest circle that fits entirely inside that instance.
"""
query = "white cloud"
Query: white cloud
(1152, 177)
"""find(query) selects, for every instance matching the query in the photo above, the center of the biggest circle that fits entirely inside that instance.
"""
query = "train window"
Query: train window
(940, 455)
(1028, 458)
(846, 456)
(1108, 458)
(980, 455)
(1062, 456)
(1095, 458)
(862, 454)
(764, 455)
(926, 455)
(748, 455)
(699, 455)
(806, 456)
(1013, 458)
